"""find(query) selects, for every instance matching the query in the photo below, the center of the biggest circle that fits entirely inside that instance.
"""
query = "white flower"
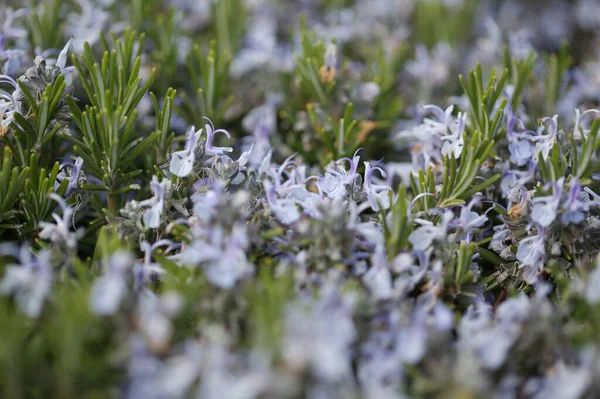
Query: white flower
(59, 232)
(454, 143)
(156, 204)
(182, 162)
(377, 195)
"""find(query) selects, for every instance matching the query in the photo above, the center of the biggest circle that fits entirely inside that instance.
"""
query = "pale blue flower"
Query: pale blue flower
(318, 335)
(154, 317)
(412, 338)
(513, 179)
(565, 382)
(470, 221)
(545, 209)
(109, 290)
(531, 255)
(592, 289)
(30, 281)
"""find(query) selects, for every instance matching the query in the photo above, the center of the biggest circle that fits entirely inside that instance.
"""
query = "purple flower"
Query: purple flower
(470, 220)
(210, 135)
(512, 178)
(576, 206)
(72, 175)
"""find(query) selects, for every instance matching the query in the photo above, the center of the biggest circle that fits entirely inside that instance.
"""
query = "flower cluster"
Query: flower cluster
(381, 199)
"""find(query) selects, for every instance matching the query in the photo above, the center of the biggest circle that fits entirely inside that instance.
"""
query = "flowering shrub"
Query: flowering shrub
(289, 199)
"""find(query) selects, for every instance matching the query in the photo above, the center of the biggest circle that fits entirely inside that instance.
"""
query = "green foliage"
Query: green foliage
(338, 133)
(229, 25)
(35, 130)
(458, 179)
(423, 187)
(340, 139)
(313, 86)
(519, 72)
(398, 229)
(462, 267)
(267, 297)
(384, 71)
(163, 122)
(457, 25)
(208, 74)
(44, 25)
(582, 162)
(12, 181)
(164, 57)
(484, 100)
(36, 204)
(108, 145)
(557, 65)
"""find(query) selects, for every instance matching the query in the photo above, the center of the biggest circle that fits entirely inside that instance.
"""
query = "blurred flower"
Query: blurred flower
(109, 290)
(422, 237)
(30, 281)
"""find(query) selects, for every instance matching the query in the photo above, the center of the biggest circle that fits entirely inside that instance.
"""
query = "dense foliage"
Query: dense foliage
(259, 199)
